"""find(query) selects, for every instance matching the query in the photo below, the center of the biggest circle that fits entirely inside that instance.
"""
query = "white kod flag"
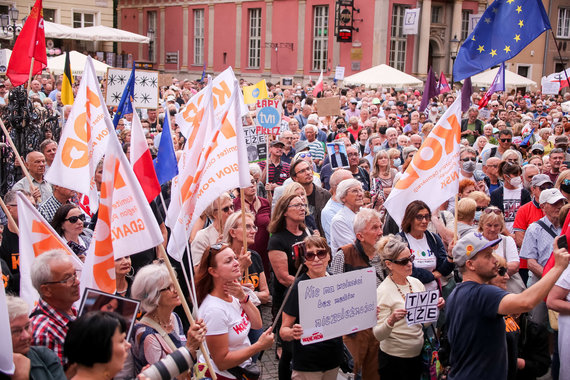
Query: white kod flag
(83, 140)
(433, 174)
(222, 166)
(411, 21)
(6, 356)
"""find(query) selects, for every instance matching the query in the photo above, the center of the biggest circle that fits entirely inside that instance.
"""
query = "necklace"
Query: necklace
(399, 290)
(164, 325)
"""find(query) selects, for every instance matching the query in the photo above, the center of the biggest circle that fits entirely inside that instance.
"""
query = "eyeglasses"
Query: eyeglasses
(304, 155)
(170, 287)
(67, 281)
(391, 118)
(480, 208)
(467, 159)
(321, 254)
(299, 206)
(506, 140)
(403, 261)
(502, 271)
(425, 217)
(546, 186)
(74, 219)
(353, 154)
(495, 210)
(341, 125)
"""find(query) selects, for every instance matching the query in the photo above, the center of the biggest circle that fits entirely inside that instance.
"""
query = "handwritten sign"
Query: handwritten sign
(337, 305)
(256, 144)
(421, 307)
(550, 88)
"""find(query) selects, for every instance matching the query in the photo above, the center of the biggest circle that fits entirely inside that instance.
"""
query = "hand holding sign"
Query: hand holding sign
(422, 307)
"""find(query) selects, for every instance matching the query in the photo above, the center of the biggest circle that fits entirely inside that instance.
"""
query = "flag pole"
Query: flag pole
(18, 157)
(185, 306)
(455, 224)
(30, 76)
(9, 216)
(243, 228)
(559, 55)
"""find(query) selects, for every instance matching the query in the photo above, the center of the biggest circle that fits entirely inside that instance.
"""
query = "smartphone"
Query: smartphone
(562, 242)
(299, 250)
(567, 163)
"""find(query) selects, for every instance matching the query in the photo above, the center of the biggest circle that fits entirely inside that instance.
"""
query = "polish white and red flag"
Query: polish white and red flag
(141, 160)
(319, 85)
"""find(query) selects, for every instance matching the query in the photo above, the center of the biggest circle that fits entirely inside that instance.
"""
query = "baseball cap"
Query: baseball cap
(469, 246)
(301, 145)
(551, 196)
(537, 146)
(277, 142)
(400, 103)
(561, 140)
(170, 98)
(353, 101)
(540, 179)
(375, 101)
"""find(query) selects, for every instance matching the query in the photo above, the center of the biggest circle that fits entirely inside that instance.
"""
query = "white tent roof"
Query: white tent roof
(77, 62)
(54, 30)
(384, 76)
(512, 80)
(105, 33)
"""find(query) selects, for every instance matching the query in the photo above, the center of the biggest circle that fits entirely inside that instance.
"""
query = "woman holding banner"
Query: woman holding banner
(318, 360)
(229, 313)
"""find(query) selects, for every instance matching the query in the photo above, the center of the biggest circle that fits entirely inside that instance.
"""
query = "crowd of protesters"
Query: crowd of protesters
(503, 316)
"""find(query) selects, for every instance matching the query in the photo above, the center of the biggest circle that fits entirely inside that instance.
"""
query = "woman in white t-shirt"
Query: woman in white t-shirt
(431, 261)
(228, 312)
(491, 224)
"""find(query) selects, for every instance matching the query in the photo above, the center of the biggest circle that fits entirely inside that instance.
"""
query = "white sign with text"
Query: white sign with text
(421, 307)
(333, 306)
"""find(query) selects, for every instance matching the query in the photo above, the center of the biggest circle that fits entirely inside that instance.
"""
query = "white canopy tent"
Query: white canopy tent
(60, 31)
(77, 62)
(105, 33)
(512, 80)
(383, 76)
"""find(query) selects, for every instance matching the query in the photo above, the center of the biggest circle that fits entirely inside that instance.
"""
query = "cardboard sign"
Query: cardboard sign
(146, 87)
(328, 106)
(339, 73)
(256, 144)
(421, 307)
(333, 306)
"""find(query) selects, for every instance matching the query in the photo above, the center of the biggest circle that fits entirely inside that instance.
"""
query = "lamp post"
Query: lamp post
(13, 14)
(453, 49)
(150, 35)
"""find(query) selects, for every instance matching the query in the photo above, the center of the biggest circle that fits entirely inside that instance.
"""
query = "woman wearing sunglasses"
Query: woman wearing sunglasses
(319, 360)
(512, 195)
(68, 223)
(400, 344)
(229, 313)
(491, 225)
(431, 261)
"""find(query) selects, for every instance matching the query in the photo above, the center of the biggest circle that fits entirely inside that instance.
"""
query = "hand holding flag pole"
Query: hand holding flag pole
(11, 220)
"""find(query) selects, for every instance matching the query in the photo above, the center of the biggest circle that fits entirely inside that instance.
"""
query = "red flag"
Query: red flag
(443, 85)
(31, 43)
(141, 160)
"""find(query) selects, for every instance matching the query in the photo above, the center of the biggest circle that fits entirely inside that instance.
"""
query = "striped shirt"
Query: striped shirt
(49, 327)
(317, 151)
(282, 169)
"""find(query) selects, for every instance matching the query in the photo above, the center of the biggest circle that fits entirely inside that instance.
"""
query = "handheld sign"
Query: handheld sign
(421, 307)
(268, 116)
(337, 305)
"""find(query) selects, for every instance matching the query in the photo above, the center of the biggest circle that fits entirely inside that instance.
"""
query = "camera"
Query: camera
(171, 366)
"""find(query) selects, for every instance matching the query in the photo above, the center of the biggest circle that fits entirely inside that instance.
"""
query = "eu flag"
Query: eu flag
(165, 164)
(125, 105)
(506, 27)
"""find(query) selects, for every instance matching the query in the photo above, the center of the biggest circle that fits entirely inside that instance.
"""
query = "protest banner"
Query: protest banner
(421, 307)
(146, 94)
(84, 140)
(6, 358)
(256, 144)
(337, 305)
(549, 87)
(328, 106)
(339, 73)
(434, 169)
(253, 93)
(268, 116)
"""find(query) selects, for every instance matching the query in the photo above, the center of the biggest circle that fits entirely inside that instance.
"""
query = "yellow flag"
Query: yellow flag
(252, 94)
(67, 85)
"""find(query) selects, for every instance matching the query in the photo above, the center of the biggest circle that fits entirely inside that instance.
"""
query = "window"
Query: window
(151, 20)
(198, 36)
(81, 20)
(320, 37)
(465, 25)
(397, 39)
(49, 15)
(254, 52)
(523, 70)
(563, 23)
(436, 15)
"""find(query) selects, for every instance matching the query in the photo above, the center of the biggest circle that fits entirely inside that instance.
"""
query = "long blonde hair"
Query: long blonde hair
(375, 171)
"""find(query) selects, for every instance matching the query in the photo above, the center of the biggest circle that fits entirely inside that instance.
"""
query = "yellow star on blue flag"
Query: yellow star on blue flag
(521, 21)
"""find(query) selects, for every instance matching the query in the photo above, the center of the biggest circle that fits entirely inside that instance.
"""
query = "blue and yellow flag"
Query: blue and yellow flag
(251, 94)
(506, 27)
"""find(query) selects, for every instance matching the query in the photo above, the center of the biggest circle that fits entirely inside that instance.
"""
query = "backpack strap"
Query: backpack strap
(546, 228)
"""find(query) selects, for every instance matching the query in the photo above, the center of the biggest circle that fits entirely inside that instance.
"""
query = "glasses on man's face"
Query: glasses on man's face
(68, 281)
(353, 154)
(391, 118)
(321, 254)
(405, 261)
(546, 186)
(299, 206)
(305, 155)
(506, 140)
(467, 159)
(74, 219)
(420, 217)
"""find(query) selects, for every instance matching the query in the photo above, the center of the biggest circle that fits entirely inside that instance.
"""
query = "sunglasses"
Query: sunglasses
(480, 208)
(304, 155)
(321, 254)
(403, 261)
(506, 140)
(467, 159)
(546, 186)
(495, 210)
(502, 271)
(426, 217)
(74, 219)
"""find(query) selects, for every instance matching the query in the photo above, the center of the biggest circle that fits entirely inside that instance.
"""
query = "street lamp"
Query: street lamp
(453, 48)
(13, 14)
(150, 35)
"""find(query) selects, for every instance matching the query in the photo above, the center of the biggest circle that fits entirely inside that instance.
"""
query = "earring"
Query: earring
(131, 272)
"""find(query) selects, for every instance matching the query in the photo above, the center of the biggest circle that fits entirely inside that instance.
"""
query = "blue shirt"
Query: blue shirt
(538, 244)
(476, 332)
(327, 214)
